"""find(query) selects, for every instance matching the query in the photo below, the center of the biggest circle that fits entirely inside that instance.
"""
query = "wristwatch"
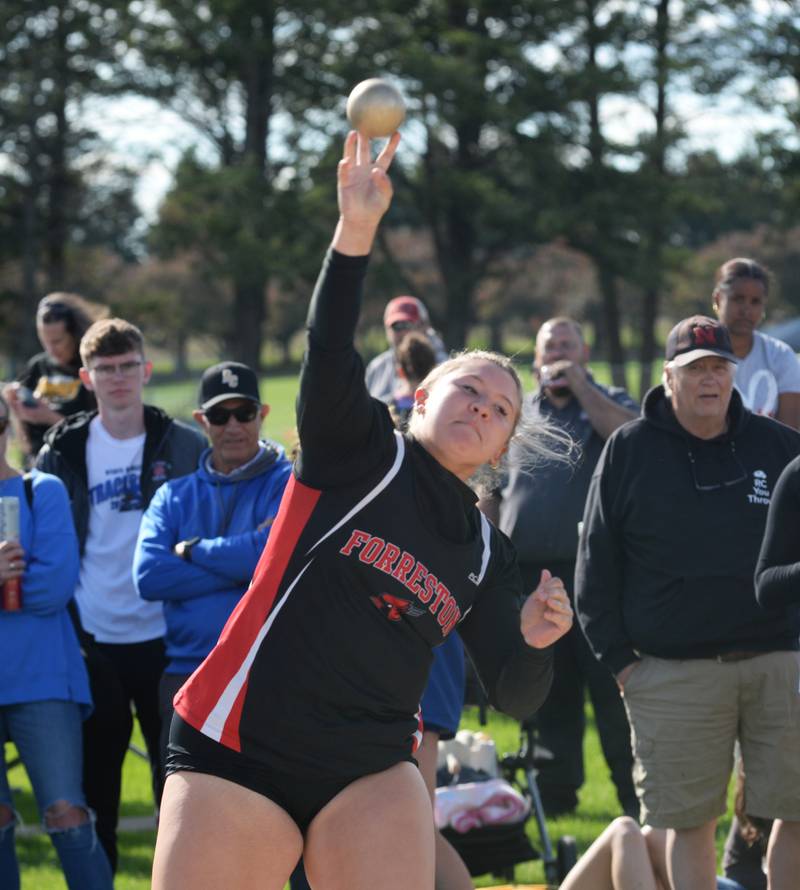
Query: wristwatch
(184, 548)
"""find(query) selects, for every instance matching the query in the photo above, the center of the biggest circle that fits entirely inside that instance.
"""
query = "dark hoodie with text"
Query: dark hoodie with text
(672, 530)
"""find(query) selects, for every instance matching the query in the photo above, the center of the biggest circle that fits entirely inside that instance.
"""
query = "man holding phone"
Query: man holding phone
(540, 513)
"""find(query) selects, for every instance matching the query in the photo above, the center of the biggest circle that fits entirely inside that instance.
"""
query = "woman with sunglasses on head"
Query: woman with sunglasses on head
(768, 372)
(44, 689)
(49, 388)
(296, 735)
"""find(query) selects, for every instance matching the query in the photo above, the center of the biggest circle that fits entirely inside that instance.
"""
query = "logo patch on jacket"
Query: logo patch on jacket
(422, 584)
(161, 470)
(395, 606)
(760, 493)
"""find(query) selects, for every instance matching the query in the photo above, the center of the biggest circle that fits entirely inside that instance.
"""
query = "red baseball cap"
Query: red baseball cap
(405, 309)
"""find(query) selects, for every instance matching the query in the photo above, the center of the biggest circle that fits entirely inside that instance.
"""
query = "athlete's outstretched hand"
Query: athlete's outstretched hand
(546, 614)
(364, 191)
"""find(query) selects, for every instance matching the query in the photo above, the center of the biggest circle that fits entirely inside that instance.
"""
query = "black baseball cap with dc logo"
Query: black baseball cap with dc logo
(227, 380)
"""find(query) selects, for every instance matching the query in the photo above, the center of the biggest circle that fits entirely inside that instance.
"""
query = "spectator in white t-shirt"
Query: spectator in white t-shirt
(112, 461)
(768, 372)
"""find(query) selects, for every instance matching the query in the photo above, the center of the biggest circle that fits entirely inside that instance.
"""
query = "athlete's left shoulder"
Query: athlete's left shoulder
(503, 552)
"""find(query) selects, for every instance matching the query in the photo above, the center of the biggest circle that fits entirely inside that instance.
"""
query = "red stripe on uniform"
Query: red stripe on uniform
(416, 738)
(198, 696)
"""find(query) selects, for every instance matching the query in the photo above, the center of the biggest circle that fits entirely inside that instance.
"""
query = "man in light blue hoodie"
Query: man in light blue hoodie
(202, 535)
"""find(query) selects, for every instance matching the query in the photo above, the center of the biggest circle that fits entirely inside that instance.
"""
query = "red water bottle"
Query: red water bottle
(9, 531)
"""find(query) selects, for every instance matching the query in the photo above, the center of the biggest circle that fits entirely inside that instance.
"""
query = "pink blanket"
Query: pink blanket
(475, 804)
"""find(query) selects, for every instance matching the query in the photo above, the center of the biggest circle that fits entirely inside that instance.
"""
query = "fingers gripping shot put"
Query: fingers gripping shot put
(378, 552)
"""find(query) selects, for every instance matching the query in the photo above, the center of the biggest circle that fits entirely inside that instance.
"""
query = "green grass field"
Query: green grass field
(40, 870)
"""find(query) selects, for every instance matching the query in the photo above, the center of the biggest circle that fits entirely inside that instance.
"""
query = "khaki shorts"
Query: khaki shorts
(685, 718)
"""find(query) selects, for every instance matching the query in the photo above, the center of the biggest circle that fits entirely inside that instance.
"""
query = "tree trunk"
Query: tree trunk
(496, 334)
(459, 278)
(654, 253)
(249, 314)
(249, 286)
(647, 349)
(180, 354)
(58, 193)
(601, 250)
(616, 354)
(26, 342)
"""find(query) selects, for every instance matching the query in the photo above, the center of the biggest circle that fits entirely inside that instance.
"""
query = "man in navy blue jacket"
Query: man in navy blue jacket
(203, 534)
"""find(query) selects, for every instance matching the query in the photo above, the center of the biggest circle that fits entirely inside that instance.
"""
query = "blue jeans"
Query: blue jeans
(728, 884)
(47, 735)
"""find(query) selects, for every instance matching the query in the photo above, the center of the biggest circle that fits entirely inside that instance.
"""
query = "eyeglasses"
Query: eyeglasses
(399, 326)
(4, 422)
(219, 416)
(126, 369)
(742, 477)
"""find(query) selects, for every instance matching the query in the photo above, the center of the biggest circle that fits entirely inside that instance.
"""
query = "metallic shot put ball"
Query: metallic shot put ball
(375, 108)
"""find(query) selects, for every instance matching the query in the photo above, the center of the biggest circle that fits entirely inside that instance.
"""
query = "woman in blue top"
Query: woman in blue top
(44, 689)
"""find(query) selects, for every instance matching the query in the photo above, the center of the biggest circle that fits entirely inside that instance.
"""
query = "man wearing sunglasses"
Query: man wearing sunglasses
(665, 594)
(203, 534)
(112, 461)
(401, 315)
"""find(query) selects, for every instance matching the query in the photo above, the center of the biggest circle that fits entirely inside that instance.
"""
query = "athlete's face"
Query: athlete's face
(467, 416)
(234, 439)
(701, 391)
(741, 308)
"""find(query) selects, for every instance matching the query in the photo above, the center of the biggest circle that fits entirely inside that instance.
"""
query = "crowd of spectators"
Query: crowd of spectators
(687, 640)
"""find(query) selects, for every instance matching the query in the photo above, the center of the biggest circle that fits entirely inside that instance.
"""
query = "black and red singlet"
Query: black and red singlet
(377, 553)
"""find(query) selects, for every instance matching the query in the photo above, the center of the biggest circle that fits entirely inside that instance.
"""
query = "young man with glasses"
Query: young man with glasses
(401, 315)
(202, 535)
(112, 461)
(665, 594)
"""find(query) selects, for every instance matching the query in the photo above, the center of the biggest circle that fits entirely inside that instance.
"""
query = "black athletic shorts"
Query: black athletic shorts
(302, 798)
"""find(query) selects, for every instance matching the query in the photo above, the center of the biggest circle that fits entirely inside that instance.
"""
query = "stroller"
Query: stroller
(497, 849)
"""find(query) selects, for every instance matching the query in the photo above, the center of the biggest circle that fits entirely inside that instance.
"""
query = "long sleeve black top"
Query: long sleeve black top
(377, 553)
(778, 569)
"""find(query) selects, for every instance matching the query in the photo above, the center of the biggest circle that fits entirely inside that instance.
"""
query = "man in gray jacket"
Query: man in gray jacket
(401, 315)
(540, 513)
